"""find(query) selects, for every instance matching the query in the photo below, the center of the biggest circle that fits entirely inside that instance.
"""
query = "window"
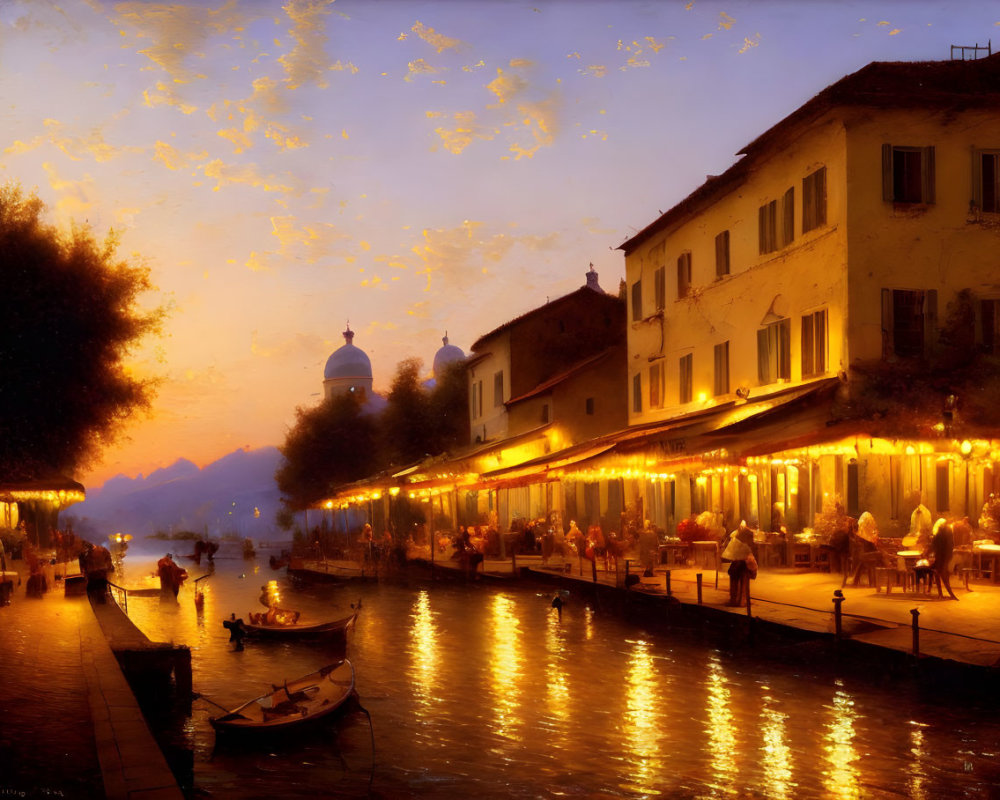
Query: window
(909, 318)
(986, 180)
(774, 352)
(907, 174)
(721, 369)
(683, 275)
(589, 406)
(477, 399)
(637, 301)
(814, 343)
(545, 413)
(788, 217)
(989, 312)
(767, 227)
(722, 254)
(942, 483)
(814, 200)
(684, 379)
(637, 393)
(656, 386)
(498, 389)
(660, 288)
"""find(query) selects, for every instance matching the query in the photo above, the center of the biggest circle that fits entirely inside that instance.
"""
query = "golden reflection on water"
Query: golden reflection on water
(588, 623)
(720, 728)
(557, 687)
(505, 665)
(776, 757)
(423, 649)
(642, 733)
(841, 776)
(918, 773)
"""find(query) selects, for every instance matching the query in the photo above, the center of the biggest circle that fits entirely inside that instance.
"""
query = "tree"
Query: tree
(449, 409)
(406, 427)
(70, 319)
(331, 444)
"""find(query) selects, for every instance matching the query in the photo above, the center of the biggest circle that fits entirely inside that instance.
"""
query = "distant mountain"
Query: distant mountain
(234, 495)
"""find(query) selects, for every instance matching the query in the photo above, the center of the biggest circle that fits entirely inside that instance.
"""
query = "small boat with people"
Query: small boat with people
(293, 704)
(285, 626)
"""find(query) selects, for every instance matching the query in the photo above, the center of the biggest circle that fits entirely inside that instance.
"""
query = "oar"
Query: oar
(199, 696)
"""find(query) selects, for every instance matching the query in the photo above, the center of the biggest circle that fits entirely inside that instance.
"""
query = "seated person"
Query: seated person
(280, 616)
(864, 547)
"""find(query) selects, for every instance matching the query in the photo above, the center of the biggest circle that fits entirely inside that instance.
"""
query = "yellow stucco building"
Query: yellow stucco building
(810, 324)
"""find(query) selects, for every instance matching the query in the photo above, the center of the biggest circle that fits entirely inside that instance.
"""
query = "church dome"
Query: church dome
(446, 354)
(348, 361)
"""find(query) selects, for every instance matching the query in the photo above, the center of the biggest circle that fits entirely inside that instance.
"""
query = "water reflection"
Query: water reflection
(423, 649)
(641, 727)
(917, 781)
(557, 687)
(505, 665)
(776, 757)
(720, 728)
(841, 775)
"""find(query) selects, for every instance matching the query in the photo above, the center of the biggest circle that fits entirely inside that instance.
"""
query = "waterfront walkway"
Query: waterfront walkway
(70, 726)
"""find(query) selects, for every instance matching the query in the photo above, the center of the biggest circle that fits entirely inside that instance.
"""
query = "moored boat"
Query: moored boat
(293, 704)
(297, 630)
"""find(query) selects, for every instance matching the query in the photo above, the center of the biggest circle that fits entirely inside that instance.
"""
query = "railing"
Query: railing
(124, 595)
(973, 49)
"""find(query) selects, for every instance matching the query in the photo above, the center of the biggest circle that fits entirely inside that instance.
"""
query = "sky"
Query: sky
(407, 168)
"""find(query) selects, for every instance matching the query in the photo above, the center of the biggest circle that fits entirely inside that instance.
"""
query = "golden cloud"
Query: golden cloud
(420, 67)
(307, 62)
(438, 41)
(228, 174)
(465, 131)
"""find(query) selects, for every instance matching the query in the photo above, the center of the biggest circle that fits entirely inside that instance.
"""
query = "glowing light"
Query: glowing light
(423, 649)
(505, 664)
(719, 725)
(641, 726)
(776, 761)
(965, 448)
(842, 775)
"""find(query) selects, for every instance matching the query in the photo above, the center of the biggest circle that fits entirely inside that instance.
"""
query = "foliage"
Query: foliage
(449, 409)
(405, 424)
(688, 530)
(331, 444)
(70, 320)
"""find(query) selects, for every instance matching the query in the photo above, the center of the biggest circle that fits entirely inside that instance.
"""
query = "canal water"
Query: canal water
(484, 691)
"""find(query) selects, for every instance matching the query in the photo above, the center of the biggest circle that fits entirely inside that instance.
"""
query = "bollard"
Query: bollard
(838, 601)
(698, 578)
(916, 633)
(667, 583)
(593, 568)
(513, 562)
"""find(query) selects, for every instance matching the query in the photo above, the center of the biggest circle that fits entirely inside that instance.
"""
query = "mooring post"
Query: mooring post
(749, 612)
(838, 601)
(667, 582)
(698, 579)
(513, 562)
(182, 671)
(593, 568)
(916, 632)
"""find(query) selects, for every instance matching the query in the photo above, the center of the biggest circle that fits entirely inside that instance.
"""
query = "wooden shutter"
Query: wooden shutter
(788, 217)
(762, 229)
(722, 254)
(930, 321)
(763, 361)
(888, 345)
(977, 178)
(807, 345)
(927, 173)
(887, 193)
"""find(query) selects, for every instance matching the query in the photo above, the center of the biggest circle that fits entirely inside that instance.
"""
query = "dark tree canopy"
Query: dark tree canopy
(331, 444)
(405, 424)
(449, 409)
(69, 320)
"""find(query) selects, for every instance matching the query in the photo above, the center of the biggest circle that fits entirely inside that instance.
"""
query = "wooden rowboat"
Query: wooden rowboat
(336, 627)
(293, 704)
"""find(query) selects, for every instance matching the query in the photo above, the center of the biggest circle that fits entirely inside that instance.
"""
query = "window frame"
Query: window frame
(898, 184)
(637, 301)
(767, 228)
(656, 386)
(814, 200)
(721, 375)
(498, 389)
(660, 288)
(684, 274)
(637, 393)
(722, 265)
(814, 343)
(685, 378)
(980, 197)
(774, 352)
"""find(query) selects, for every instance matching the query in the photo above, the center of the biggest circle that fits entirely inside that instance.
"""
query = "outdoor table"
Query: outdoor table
(708, 547)
(992, 552)
(670, 553)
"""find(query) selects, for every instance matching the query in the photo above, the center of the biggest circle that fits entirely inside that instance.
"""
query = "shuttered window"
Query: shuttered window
(721, 369)
(660, 288)
(637, 301)
(909, 322)
(722, 254)
(655, 386)
(637, 393)
(907, 174)
(685, 378)
(683, 275)
(814, 200)
(774, 359)
(767, 227)
(986, 180)
(814, 343)
(788, 217)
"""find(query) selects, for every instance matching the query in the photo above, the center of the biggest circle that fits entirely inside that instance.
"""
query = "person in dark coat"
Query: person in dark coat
(940, 552)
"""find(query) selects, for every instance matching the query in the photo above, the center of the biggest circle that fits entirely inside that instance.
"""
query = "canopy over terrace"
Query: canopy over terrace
(37, 503)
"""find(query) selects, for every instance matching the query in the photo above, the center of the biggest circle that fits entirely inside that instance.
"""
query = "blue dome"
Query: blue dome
(348, 361)
(446, 355)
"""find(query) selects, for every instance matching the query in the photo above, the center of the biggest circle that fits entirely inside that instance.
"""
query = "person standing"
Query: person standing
(940, 552)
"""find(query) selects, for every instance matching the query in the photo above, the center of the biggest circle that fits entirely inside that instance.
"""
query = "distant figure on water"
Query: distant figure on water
(171, 576)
